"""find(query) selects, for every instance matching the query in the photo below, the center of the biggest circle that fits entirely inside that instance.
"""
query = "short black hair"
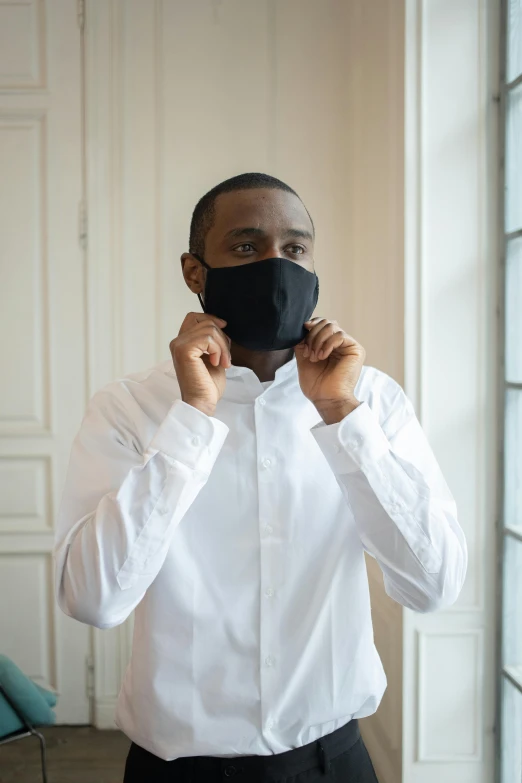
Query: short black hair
(204, 212)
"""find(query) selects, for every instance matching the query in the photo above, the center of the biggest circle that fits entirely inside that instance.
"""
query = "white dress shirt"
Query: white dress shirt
(239, 540)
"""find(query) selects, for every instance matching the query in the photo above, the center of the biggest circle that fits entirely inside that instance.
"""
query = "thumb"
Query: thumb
(299, 355)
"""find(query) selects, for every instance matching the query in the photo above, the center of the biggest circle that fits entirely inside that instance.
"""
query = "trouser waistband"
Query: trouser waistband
(318, 753)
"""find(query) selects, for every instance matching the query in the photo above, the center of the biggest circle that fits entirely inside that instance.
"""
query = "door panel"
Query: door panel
(42, 349)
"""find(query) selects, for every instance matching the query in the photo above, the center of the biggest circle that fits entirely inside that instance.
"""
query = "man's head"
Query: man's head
(248, 218)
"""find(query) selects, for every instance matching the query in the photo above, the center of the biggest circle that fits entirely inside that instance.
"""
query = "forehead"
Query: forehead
(271, 210)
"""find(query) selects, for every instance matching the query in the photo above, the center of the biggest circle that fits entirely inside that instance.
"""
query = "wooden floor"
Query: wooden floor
(79, 754)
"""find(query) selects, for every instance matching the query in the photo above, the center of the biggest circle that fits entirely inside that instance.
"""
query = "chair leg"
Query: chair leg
(42, 754)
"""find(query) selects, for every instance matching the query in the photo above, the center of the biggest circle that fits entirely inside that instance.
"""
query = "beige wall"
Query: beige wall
(375, 220)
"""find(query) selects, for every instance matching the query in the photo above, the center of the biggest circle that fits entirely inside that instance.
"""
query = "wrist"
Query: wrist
(207, 408)
(334, 411)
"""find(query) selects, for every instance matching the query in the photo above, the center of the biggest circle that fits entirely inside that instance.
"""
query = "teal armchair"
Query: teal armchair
(24, 705)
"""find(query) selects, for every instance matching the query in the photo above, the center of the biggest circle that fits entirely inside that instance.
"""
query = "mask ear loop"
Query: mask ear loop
(203, 263)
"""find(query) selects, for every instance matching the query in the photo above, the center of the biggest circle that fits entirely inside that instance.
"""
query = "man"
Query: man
(229, 497)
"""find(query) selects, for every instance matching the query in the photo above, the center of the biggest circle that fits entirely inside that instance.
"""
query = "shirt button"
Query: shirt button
(196, 440)
(270, 660)
(266, 463)
(230, 771)
(337, 448)
(269, 592)
(269, 724)
(268, 529)
(262, 401)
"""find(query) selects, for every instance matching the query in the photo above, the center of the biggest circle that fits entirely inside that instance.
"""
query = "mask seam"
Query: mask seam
(278, 303)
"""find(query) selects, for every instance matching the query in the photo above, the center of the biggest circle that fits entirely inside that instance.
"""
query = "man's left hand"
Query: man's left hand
(329, 362)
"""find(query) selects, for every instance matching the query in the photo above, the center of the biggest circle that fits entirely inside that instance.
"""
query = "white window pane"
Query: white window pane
(513, 460)
(514, 39)
(511, 733)
(512, 610)
(514, 310)
(514, 160)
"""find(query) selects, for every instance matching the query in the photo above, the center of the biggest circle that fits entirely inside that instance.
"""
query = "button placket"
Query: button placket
(267, 475)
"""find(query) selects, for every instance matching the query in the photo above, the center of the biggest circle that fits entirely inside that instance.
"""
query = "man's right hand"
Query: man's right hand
(201, 354)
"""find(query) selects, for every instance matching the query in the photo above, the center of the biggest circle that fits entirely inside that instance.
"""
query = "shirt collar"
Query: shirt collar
(284, 371)
(243, 385)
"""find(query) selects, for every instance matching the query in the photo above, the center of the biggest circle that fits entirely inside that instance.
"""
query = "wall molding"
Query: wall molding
(42, 518)
(476, 710)
(35, 80)
(38, 421)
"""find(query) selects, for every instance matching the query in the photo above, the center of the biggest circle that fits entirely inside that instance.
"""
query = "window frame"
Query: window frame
(504, 531)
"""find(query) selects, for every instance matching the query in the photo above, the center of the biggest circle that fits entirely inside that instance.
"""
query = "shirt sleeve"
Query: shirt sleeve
(403, 510)
(120, 508)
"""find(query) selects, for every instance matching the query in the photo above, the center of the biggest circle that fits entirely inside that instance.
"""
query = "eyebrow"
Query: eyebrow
(296, 233)
(299, 233)
(245, 232)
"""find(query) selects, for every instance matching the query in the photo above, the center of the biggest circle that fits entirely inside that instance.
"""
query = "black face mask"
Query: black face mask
(265, 303)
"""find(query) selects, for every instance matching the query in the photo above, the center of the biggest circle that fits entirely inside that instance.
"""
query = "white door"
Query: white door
(42, 344)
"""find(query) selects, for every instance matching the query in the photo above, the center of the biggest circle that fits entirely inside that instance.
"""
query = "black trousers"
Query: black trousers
(340, 756)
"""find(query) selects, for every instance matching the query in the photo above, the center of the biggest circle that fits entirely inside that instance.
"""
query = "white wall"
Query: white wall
(374, 137)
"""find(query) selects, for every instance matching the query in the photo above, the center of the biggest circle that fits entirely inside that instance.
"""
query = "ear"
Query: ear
(193, 272)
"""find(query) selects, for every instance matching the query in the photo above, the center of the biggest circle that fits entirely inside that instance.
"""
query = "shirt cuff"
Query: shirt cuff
(352, 443)
(189, 436)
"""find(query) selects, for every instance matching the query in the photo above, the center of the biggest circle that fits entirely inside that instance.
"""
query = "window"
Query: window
(510, 713)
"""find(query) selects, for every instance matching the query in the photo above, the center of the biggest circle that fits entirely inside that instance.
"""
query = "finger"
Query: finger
(313, 326)
(335, 341)
(208, 330)
(346, 347)
(213, 325)
(319, 333)
(322, 335)
(208, 338)
(192, 319)
(313, 321)
(216, 350)
(221, 340)
(310, 325)
(207, 316)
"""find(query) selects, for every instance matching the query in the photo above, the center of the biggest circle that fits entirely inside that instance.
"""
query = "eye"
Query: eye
(297, 250)
(245, 248)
